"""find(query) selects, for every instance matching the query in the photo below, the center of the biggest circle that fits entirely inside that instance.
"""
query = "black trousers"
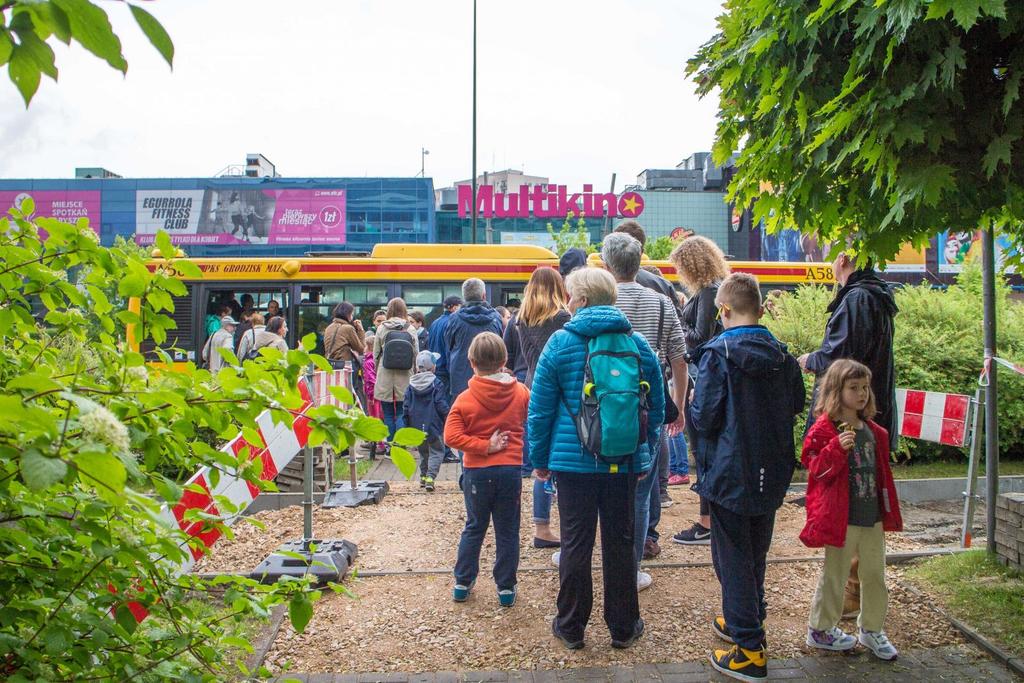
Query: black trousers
(739, 548)
(583, 499)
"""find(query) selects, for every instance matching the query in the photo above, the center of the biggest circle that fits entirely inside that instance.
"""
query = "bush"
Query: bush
(937, 347)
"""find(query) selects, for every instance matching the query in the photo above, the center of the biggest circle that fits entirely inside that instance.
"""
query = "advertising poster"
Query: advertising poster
(908, 260)
(242, 215)
(67, 206)
(789, 245)
(954, 247)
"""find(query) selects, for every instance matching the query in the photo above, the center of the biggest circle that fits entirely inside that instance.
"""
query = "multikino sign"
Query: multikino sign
(548, 201)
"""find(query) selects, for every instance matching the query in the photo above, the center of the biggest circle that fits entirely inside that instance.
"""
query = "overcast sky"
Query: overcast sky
(570, 89)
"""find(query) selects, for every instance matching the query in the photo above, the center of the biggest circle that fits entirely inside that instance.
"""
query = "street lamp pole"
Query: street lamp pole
(423, 153)
(474, 122)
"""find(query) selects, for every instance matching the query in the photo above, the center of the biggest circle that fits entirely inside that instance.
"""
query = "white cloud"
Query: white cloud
(571, 89)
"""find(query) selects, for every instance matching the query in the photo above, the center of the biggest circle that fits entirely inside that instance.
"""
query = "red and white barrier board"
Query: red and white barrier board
(933, 416)
(280, 444)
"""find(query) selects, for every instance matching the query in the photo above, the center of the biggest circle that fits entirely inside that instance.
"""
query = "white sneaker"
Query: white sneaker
(555, 557)
(643, 580)
(879, 644)
(833, 639)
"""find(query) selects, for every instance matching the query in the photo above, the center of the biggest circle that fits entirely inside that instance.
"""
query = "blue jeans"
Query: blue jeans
(490, 493)
(541, 503)
(647, 508)
(392, 416)
(678, 461)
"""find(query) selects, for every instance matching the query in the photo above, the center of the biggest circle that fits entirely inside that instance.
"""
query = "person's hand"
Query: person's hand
(498, 442)
(802, 360)
(847, 439)
(677, 427)
(542, 474)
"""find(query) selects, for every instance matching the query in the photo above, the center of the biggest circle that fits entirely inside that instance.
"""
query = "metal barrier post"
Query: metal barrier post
(307, 482)
(974, 454)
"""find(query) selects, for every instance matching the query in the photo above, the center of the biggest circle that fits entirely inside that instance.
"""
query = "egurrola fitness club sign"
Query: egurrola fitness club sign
(548, 201)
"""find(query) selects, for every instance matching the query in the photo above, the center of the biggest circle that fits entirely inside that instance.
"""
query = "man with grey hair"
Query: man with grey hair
(652, 315)
(475, 316)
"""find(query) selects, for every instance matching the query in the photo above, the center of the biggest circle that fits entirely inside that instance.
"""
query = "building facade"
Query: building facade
(241, 216)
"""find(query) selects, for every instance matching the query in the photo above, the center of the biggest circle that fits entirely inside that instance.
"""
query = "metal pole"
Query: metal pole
(974, 456)
(991, 405)
(474, 121)
(307, 481)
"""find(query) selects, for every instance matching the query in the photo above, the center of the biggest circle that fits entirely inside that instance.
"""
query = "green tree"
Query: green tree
(884, 120)
(88, 429)
(660, 248)
(26, 27)
(572, 234)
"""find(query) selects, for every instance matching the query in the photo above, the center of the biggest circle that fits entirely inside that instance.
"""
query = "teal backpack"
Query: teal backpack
(612, 422)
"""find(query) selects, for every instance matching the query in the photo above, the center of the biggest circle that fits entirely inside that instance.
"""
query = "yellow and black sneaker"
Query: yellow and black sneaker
(721, 630)
(741, 664)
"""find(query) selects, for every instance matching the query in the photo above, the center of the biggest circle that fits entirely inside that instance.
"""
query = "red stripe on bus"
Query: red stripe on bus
(411, 268)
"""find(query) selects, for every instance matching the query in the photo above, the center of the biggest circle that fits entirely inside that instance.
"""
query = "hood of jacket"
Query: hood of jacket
(751, 349)
(867, 281)
(596, 320)
(395, 324)
(494, 392)
(476, 313)
(422, 382)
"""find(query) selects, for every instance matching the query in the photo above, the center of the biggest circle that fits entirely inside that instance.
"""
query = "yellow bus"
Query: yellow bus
(308, 288)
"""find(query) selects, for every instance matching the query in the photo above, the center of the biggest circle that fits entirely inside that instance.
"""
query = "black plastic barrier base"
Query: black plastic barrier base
(365, 492)
(330, 561)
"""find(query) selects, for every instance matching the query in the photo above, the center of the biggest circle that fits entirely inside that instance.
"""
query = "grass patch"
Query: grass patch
(979, 591)
(363, 467)
(937, 469)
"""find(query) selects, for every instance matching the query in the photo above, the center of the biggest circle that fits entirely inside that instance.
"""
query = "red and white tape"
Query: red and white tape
(987, 367)
(280, 445)
(933, 416)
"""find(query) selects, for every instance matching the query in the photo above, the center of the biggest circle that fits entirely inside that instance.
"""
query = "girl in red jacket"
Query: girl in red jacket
(851, 502)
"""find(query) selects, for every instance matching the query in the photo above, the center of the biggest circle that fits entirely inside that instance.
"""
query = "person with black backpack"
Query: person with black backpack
(597, 405)
(394, 353)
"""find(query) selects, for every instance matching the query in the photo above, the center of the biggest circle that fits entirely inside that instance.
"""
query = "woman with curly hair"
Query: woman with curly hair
(701, 267)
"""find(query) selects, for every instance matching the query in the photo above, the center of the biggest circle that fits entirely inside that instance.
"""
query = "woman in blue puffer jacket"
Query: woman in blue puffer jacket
(587, 487)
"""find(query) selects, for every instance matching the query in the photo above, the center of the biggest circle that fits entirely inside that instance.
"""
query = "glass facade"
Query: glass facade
(706, 213)
(240, 216)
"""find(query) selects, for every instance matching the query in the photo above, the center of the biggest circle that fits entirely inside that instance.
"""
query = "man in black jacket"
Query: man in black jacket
(860, 327)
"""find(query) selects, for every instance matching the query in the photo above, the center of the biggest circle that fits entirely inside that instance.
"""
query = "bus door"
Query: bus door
(267, 300)
(316, 306)
(507, 294)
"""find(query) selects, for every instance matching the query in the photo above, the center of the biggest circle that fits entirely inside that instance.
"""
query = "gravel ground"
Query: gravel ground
(409, 623)
(413, 530)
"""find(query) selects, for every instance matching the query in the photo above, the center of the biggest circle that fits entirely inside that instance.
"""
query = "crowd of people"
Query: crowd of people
(600, 387)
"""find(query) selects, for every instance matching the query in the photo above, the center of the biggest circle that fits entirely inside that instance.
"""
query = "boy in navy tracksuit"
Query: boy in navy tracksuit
(426, 408)
(748, 392)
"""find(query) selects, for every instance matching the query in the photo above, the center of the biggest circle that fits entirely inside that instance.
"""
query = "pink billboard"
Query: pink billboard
(242, 215)
(67, 206)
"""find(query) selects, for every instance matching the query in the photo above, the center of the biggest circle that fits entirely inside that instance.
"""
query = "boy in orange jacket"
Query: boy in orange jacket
(486, 424)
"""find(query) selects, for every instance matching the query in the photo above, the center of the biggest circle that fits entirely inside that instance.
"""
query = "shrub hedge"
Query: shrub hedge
(938, 347)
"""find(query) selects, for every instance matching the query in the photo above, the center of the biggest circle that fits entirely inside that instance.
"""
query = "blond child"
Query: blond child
(486, 424)
(851, 503)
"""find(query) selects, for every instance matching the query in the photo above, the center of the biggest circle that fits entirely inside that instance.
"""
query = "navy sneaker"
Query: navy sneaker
(507, 597)
(638, 631)
(741, 664)
(569, 644)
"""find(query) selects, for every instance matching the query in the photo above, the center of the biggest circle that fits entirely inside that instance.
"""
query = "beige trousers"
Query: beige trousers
(827, 606)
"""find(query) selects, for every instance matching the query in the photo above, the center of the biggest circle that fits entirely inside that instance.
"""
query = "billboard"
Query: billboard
(954, 247)
(64, 205)
(790, 245)
(242, 215)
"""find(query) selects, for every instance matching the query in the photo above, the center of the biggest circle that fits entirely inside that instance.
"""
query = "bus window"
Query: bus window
(317, 302)
(427, 298)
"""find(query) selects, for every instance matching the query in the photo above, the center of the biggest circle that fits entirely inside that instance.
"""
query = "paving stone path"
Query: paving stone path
(959, 663)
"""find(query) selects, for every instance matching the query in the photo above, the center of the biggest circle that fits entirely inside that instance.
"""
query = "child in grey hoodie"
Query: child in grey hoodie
(426, 408)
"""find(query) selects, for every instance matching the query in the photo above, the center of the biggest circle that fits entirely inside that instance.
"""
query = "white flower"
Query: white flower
(102, 426)
(139, 372)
